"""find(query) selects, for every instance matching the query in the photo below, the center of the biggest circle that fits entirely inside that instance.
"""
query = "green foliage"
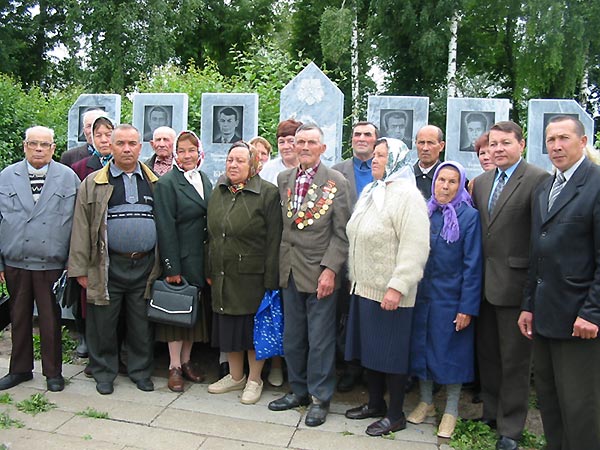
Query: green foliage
(93, 413)
(472, 435)
(69, 345)
(530, 440)
(35, 404)
(6, 422)
(335, 33)
(5, 398)
(87, 437)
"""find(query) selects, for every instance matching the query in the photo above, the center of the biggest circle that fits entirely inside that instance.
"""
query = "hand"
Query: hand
(2, 279)
(391, 299)
(174, 279)
(462, 321)
(326, 283)
(209, 281)
(584, 329)
(82, 282)
(525, 323)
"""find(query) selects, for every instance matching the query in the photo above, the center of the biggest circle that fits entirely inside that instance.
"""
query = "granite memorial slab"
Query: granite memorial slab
(312, 97)
(154, 110)
(538, 116)
(399, 117)
(226, 118)
(111, 103)
(466, 120)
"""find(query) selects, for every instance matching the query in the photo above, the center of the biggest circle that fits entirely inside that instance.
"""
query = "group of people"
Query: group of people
(409, 254)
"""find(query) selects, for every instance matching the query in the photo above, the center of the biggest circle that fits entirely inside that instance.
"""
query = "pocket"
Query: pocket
(515, 262)
(9, 202)
(251, 264)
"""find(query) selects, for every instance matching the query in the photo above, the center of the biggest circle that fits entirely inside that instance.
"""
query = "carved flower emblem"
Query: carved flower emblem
(310, 91)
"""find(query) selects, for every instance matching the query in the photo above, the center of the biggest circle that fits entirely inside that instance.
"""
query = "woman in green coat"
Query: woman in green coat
(244, 228)
(181, 203)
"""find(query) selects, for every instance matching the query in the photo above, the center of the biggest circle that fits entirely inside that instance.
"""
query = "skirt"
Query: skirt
(233, 333)
(379, 339)
(198, 333)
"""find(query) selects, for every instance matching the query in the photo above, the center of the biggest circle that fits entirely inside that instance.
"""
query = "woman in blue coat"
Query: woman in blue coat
(442, 341)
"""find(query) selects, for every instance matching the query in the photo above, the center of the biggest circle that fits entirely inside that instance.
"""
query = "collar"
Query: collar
(311, 171)
(358, 162)
(424, 170)
(252, 184)
(41, 170)
(508, 171)
(116, 171)
(571, 170)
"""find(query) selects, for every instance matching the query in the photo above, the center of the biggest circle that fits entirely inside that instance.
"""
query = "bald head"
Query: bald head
(162, 142)
(430, 143)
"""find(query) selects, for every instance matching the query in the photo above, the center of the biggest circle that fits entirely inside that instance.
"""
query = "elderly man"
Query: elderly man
(70, 157)
(430, 143)
(113, 256)
(287, 158)
(561, 309)
(162, 142)
(315, 206)
(37, 197)
(504, 200)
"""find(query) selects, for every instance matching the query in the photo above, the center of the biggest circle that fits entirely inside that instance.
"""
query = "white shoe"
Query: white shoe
(422, 411)
(447, 426)
(275, 377)
(227, 384)
(252, 392)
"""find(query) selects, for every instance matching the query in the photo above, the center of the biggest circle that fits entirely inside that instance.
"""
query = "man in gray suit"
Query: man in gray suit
(70, 157)
(503, 198)
(37, 200)
(315, 207)
(561, 310)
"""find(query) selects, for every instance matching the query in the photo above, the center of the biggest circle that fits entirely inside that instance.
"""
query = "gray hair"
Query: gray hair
(39, 128)
(312, 126)
(169, 130)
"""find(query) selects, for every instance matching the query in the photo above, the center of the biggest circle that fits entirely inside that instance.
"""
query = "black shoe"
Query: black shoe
(489, 422)
(145, 384)
(104, 387)
(82, 350)
(346, 382)
(87, 371)
(385, 426)
(55, 384)
(364, 412)
(288, 401)
(223, 369)
(506, 443)
(317, 414)
(13, 379)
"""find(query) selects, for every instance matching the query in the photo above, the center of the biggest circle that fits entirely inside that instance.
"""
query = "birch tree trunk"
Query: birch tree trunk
(452, 48)
(354, 66)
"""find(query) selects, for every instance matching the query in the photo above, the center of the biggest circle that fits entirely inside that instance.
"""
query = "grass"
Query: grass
(471, 435)
(5, 398)
(6, 422)
(35, 404)
(87, 437)
(93, 413)
(69, 345)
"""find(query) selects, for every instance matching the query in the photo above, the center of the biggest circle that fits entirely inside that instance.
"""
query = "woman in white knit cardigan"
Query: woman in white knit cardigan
(389, 244)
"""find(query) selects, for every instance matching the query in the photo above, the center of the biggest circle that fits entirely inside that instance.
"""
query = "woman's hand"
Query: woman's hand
(174, 279)
(462, 321)
(391, 299)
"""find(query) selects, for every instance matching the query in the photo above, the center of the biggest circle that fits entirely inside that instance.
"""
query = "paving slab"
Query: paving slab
(24, 439)
(213, 443)
(318, 440)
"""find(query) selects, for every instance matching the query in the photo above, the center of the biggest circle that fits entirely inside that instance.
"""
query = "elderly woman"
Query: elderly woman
(442, 343)
(102, 129)
(263, 148)
(244, 228)
(389, 244)
(181, 202)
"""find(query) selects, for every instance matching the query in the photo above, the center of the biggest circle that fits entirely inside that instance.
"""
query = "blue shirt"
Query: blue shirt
(362, 173)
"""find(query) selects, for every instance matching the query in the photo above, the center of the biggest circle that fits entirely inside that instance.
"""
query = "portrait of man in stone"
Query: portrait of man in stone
(473, 125)
(228, 123)
(82, 111)
(397, 124)
(547, 118)
(156, 116)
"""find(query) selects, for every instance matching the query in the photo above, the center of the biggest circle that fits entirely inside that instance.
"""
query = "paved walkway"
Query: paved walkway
(190, 420)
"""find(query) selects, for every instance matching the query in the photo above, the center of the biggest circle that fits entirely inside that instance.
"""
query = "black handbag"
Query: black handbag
(173, 304)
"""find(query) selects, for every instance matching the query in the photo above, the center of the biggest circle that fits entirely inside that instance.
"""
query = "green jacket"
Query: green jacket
(88, 255)
(180, 215)
(244, 232)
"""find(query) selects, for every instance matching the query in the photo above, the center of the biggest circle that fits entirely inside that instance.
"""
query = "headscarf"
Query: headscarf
(254, 164)
(397, 168)
(450, 230)
(104, 159)
(187, 133)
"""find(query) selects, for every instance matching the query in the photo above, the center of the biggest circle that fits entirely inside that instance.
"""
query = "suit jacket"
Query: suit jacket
(217, 139)
(307, 251)
(70, 157)
(506, 233)
(424, 180)
(180, 215)
(346, 168)
(564, 278)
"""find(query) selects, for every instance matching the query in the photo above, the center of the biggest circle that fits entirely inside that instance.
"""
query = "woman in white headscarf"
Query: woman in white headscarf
(389, 244)
(180, 206)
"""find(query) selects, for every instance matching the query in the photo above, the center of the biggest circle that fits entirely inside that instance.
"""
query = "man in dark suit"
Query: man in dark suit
(70, 157)
(561, 309)
(430, 143)
(503, 198)
(357, 170)
(315, 207)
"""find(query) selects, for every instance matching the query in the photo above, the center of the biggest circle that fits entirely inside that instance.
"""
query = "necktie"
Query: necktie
(497, 191)
(557, 186)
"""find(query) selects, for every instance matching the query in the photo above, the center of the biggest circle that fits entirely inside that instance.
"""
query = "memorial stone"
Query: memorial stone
(111, 103)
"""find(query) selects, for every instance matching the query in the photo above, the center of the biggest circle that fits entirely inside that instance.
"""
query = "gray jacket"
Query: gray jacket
(35, 236)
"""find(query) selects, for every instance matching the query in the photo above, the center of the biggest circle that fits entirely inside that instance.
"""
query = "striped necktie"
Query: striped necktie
(497, 191)
(557, 186)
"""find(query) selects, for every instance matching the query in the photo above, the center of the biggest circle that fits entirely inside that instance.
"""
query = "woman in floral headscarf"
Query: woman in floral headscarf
(181, 202)
(449, 295)
(389, 244)
(244, 229)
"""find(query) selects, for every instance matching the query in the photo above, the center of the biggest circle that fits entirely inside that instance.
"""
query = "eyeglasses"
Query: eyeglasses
(32, 145)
